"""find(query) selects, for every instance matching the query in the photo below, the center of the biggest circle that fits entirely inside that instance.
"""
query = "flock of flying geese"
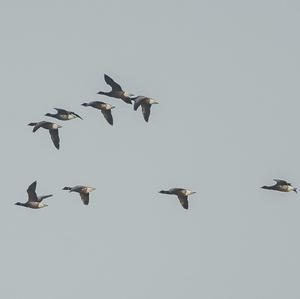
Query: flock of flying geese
(36, 202)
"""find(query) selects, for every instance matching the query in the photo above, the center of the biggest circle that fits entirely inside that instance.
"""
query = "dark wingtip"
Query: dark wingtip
(84, 104)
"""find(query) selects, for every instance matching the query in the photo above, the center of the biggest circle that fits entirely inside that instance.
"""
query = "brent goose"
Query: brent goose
(34, 201)
(117, 91)
(146, 103)
(104, 107)
(63, 114)
(52, 127)
(281, 185)
(83, 191)
(181, 193)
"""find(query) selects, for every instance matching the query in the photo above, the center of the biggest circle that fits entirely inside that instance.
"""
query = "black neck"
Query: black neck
(165, 192)
(104, 93)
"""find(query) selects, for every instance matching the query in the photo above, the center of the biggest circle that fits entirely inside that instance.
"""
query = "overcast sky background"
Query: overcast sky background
(226, 74)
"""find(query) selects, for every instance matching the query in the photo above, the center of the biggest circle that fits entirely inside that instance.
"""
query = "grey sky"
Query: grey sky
(226, 74)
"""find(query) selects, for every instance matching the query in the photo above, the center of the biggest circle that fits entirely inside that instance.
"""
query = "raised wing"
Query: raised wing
(85, 198)
(115, 86)
(31, 192)
(55, 137)
(146, 111)
(61, 111)
(184, 201)
(281, 182)
(108, 116)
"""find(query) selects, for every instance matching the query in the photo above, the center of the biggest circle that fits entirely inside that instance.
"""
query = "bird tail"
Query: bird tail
(35, 127)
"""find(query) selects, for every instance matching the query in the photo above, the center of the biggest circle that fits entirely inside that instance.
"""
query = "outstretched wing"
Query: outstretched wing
(108, 116)
(54, 137)
(184, 201)
(146, 111)
(115, 86)
(85, 198)
(31, 192)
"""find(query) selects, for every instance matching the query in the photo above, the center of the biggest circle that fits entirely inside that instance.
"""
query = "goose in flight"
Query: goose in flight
(182, 195)
(52, 127)
(34, 201)
(281, 185)
(117, 91)
(63, 114)
(146, 104)
(104, 107)
(83, 191)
